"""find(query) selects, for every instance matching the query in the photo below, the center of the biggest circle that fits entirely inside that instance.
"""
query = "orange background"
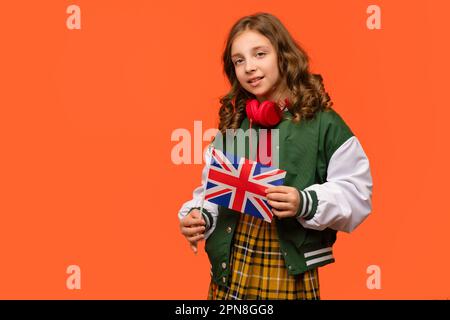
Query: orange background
(86, 117)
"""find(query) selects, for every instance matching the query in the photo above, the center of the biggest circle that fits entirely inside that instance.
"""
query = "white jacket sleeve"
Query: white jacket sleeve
(345, 200)
(210, 210)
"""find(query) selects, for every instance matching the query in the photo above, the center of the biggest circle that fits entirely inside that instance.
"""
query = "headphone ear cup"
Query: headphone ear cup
(269, 114)
(251, 108)
(266, 113)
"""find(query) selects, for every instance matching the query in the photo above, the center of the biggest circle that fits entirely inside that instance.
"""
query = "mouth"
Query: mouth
(255, 81)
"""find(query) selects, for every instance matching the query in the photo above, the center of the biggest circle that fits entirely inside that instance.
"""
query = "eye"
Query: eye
(259, 54)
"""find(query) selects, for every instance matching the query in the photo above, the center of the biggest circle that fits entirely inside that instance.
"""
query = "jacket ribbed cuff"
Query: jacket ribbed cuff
(207, 216)
(308, 206)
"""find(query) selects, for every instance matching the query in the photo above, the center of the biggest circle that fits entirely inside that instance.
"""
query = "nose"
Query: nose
(249, 66)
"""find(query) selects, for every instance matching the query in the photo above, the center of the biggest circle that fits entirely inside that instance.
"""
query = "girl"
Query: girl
(327, 188)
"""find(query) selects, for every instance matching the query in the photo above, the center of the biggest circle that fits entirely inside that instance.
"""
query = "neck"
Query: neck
(278, 98)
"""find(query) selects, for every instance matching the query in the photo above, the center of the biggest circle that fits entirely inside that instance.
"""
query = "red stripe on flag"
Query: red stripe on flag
(263, 205)
(221, 160)
(267, 175)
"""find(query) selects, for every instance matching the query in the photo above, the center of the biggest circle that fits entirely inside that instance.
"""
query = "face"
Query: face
(256, 65)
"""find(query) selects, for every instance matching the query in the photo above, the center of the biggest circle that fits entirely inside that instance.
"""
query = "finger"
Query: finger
(194, 248)
(185, 222)
(189, 231)
(277, 196)
(195, 214)
(195, 238)
(277, 213)
(282, 213)
(281, 189)
(189, 221)
(280, 205)
(192, 223)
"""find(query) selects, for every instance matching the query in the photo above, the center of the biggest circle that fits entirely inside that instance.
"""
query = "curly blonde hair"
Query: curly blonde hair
(307, 89)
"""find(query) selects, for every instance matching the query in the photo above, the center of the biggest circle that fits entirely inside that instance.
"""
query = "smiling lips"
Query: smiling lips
(255, 81)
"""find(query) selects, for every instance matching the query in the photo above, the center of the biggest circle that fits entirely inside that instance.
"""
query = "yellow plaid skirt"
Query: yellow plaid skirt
(258, 270)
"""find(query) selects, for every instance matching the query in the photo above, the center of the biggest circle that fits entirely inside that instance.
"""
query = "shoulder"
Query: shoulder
(331, 120)
(331, 117)
(334, 131)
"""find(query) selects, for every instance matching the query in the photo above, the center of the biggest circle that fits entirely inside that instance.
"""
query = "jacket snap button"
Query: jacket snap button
(289, 267)
(224, 265)
(285, 253)
(224, 279)
(229, 230)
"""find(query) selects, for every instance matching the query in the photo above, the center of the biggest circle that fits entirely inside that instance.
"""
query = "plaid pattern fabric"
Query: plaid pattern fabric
(258, 270)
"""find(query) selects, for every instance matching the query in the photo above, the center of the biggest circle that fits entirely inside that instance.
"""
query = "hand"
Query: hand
(285, 201)
(193, 228)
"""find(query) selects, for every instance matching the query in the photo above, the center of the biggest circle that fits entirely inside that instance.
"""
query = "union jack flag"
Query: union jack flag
(240, 184)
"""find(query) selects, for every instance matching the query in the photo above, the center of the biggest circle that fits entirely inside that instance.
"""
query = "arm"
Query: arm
(345, 200)
(210, 210)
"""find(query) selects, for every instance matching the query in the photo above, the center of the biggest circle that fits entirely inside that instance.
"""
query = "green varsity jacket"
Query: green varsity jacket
(334, 198)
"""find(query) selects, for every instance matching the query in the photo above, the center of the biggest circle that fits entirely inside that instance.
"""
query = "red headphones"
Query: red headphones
(267, 114)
